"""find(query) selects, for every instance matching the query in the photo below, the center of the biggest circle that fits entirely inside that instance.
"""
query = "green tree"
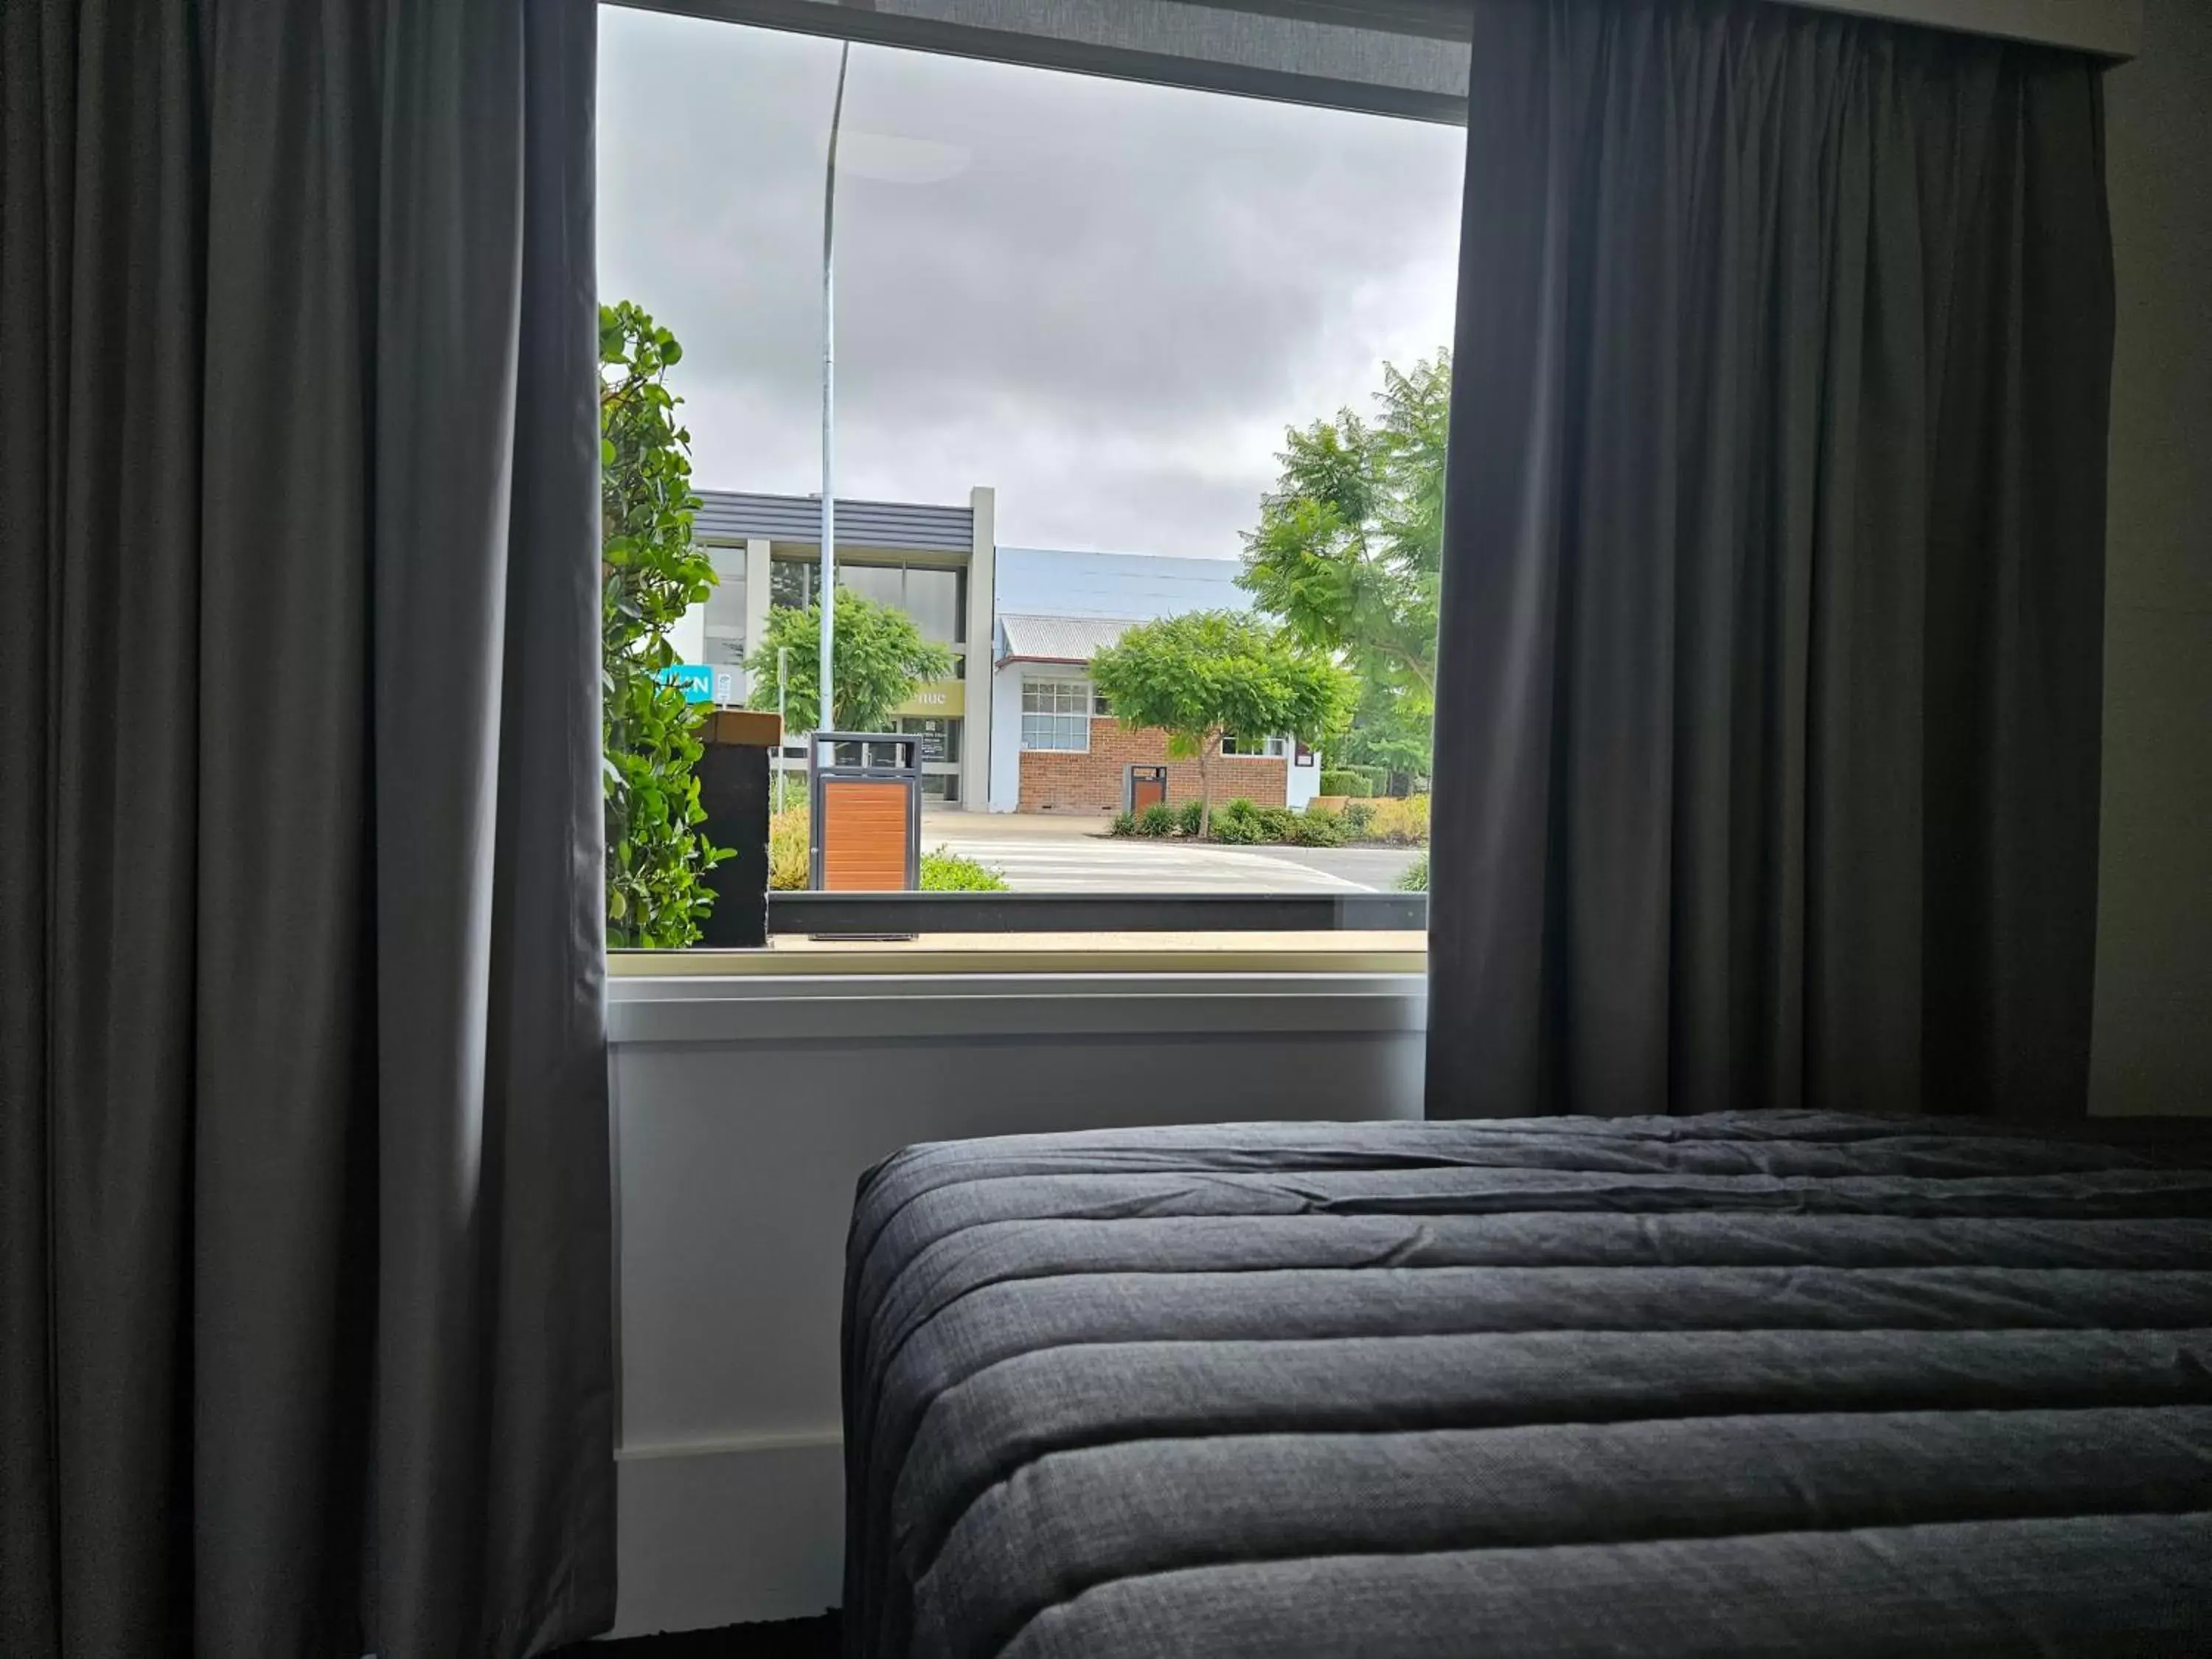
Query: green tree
(1349, 550)
(650, 575)
(1211, 674)
(880, 659)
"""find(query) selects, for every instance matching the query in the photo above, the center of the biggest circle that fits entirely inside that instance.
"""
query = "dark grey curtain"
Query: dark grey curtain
(1767, 738)
(305, 1328)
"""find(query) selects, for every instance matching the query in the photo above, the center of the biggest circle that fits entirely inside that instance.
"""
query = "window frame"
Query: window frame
(1274, 747)
(1079, 692)
(1352, 920)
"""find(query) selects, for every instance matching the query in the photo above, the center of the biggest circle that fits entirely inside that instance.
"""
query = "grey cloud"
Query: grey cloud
(1111, 312)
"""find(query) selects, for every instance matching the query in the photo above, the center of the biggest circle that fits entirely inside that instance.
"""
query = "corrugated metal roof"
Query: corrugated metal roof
(736, 515)
(1059, 639)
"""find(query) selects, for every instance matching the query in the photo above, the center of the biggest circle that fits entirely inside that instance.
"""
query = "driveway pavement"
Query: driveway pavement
(1039, 854)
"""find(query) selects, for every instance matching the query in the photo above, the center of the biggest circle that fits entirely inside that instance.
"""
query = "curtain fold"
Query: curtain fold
(1767, 733)
(306, 1341)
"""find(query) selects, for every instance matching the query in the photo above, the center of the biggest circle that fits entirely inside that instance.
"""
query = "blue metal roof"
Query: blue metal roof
(1037, 581)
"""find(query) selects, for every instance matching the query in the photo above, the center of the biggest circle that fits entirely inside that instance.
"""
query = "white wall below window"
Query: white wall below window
(746, 1113)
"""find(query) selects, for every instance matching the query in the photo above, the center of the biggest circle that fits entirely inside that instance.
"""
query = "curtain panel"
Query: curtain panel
(305, 1325)
(1767, 734)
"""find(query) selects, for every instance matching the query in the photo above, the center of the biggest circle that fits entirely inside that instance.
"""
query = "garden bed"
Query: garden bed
(1386, 822)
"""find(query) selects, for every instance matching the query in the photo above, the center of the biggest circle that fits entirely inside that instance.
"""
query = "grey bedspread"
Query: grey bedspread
(1740, 1385)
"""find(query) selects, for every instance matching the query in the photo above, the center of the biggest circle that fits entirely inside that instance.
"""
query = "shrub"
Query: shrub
(1157, 820)
(1190, 817)
(650, 574)
(1241, 823)
(1401, 823)
(1359, 819)
(1312, 829)
(1414, 879)
(946, 872)
(1124, 824)
(1346, 780)
(790, 862)
(1237, 823)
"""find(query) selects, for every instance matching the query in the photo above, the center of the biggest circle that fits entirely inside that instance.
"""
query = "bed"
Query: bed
(1749, 1384)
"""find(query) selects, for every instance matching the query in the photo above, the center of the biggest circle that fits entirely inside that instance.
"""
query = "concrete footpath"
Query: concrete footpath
(1049, 853)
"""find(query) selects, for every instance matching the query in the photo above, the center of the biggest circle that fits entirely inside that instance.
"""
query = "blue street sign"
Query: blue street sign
(694, 679)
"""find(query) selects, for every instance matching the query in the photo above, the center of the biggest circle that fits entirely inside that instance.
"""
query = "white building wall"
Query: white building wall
(1304, 783)
(978, 736)
(1006, 735)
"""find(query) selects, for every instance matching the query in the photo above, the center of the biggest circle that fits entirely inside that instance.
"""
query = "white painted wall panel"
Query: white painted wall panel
(741, 1128)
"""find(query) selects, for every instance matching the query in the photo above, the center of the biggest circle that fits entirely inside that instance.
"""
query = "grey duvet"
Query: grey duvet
(1744, 1385)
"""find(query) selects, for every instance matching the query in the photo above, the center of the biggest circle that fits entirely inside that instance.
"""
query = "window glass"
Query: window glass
(884, 584)
(1104, 351)
(724, 627)
(940, 738)
(791, 583)
(1056, 716)
(933, 600)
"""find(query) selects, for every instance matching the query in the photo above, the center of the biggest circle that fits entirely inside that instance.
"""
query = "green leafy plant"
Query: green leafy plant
(1401, 823)
(650, 575)
(1313, 829)
(946, 872)
(790, 852)
(1415, 877)
(1209, 674)
(1349, 552)
(1157, 820)
(1358, 817)
(1238, 825)
(1122, 825)
(1190, 817)
(880, 659)
(1346, 780)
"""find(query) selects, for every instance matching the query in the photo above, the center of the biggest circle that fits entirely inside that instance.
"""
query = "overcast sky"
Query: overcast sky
(1107, 299)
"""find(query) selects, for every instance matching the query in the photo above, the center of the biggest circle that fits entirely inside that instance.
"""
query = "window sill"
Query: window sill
(1013, 985)
(941, 954)
(843, 1009)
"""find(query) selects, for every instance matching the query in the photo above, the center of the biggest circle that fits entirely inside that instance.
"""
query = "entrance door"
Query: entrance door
(1147, 787)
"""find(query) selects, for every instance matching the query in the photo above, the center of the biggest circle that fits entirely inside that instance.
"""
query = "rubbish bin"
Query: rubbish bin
(864, 795)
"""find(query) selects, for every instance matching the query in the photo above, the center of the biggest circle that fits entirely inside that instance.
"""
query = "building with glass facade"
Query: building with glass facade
(934, 562)
(1018, 727)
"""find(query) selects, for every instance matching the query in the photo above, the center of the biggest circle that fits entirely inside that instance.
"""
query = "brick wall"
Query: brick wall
(1057, 782)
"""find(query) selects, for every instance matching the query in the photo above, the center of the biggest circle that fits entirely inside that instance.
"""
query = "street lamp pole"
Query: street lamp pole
(829, 398)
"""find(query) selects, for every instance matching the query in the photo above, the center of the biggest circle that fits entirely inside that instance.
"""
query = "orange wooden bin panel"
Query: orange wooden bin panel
(1147, 792)
(863, 836)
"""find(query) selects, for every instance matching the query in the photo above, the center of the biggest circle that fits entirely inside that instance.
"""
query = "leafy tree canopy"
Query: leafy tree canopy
(651, 574)
(1349, 550)
(1214, 673)
(879, 660)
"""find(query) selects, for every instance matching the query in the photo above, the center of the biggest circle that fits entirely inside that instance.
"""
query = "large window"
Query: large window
(724, 627)
(1098, 344)
(933, 596)
(1056, 716)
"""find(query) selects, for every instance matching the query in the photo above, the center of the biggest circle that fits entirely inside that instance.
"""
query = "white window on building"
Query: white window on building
(1056, 714)
(1252, 748)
